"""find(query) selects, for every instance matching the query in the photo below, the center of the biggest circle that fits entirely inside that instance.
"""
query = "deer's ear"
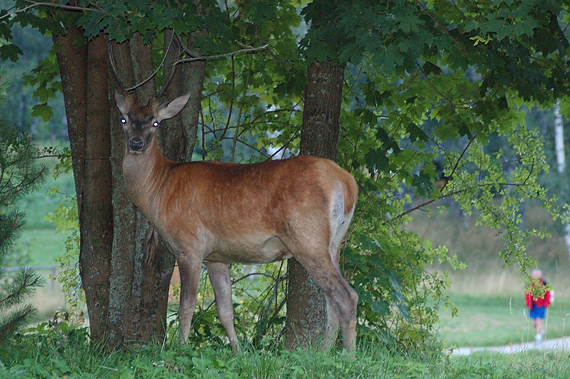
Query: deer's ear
(124, 103)
(171, 109)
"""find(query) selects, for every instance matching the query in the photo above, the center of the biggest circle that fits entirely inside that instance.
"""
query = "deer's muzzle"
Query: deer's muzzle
(136, 145)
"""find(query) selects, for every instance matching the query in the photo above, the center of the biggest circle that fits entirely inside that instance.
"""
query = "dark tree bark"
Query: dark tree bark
(181, 131)
(72, 61)
(95, 257)
(84, 80)
(306, 307)
(153, 264)
(141, 265)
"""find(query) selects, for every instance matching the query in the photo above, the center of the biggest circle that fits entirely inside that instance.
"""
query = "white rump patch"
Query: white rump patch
(339, 223)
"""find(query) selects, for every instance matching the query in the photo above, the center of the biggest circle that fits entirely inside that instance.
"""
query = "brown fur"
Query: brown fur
(220, 213)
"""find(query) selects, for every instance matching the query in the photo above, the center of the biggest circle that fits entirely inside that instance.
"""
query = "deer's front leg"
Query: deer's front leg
(220, 278)
(190, 269)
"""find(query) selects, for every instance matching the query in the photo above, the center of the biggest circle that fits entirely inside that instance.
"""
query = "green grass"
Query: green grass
(38, 204)
(61, 353)
(41, 246)
(39, 242)
(498, 320)
(532, 364)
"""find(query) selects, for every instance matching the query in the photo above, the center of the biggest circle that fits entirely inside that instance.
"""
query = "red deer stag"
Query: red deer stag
(216, 214)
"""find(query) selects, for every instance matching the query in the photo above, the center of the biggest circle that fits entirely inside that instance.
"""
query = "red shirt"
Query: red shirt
(540, 301)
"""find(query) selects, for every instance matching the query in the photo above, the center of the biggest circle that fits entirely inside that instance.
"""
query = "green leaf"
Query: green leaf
(423, 181)
(387, 142)
(416, 133)
(44, 111)
(11, 52)
(376, 160)
(430, 68)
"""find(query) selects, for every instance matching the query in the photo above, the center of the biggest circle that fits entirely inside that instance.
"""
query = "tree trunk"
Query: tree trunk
(84, 80)
(559, 139)
(124, 212)
(561, 159)
(153, 264)
(181, 130)
(95, 257)
(306, 307)
(72, 61)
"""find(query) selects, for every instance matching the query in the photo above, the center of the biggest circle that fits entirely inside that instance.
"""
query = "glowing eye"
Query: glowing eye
(123, 121)
(155, 124)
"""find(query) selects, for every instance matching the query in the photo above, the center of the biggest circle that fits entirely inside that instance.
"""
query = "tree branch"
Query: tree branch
(253, 274)
(220, 56)
(434, 87)
(34, 4)
(440, 26)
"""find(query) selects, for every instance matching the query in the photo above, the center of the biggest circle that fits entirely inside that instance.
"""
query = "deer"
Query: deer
(215, 214)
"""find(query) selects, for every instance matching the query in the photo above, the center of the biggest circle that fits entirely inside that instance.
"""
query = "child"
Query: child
(537, 308)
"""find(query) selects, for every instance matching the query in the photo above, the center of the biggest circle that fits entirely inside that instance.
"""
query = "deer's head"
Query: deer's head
(140, 122)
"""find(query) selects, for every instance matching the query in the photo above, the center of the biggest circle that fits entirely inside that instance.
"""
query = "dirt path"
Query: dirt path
(554, 344)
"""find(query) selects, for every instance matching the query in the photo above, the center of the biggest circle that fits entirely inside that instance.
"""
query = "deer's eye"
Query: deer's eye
(123, 121)
(155, 124)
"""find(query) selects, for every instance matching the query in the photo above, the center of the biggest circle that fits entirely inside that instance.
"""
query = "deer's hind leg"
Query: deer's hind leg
(341, 227)
(342, 300)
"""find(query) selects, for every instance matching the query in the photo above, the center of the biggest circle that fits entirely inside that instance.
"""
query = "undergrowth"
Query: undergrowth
(61, 350)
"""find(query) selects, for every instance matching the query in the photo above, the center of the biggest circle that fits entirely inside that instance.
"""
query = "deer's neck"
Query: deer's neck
(145, 175)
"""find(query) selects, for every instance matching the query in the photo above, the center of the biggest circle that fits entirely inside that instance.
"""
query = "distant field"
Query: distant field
(499, 320)
(39, 240)
(41, 245)
(38, 204)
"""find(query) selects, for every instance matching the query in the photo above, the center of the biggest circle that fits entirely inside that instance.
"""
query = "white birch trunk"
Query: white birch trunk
(560, 157)
(559, 139)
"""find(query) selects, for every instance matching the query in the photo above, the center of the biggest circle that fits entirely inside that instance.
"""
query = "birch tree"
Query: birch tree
(561, 158)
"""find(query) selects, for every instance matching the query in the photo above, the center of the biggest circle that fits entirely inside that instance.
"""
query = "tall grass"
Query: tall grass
(69, 355)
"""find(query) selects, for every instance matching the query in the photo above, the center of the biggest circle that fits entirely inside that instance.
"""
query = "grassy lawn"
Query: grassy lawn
(532, 364)
(38, 204)
(41, 246)
(39, 242)
(72, 357)
(498, 320)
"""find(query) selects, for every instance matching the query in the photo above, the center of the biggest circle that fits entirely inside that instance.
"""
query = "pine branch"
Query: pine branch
(15, 320)
(23, 286)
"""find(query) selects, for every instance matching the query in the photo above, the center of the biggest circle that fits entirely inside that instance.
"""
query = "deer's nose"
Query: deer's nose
(136, 144)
